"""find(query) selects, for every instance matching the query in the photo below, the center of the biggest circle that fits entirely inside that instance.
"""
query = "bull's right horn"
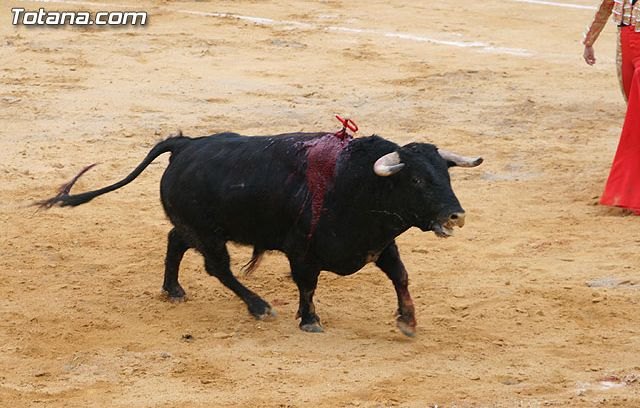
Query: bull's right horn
(457, 160)
(388, 165)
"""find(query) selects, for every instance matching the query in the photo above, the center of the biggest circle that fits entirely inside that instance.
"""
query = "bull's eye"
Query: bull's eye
(417, 180)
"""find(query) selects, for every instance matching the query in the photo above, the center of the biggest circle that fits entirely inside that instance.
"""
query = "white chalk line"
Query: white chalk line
(557, 4)
(255, 20)
(479, 46)
(476, 45)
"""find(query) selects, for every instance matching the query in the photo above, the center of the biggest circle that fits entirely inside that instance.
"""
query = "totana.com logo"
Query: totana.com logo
(58, 18)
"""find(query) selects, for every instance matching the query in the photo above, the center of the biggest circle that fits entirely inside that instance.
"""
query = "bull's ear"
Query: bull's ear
(388, 165)
(457, 160)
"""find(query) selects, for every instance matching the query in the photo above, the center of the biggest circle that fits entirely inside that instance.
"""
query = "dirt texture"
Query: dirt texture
(534, 303)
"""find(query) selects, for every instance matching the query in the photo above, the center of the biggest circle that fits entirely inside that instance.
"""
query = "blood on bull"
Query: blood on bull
(328, 201)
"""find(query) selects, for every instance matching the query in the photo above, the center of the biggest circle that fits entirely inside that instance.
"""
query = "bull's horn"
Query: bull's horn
(388, 165)
(460, 160)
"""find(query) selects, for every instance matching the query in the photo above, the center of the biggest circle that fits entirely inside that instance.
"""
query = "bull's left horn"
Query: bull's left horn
(388, 165)
(461, 161)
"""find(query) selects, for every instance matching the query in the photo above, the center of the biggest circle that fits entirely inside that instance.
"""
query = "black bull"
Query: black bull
(327, 203)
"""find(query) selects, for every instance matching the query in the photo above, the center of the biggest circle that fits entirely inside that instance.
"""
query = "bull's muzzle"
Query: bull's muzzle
(457, 219)
(444, 228)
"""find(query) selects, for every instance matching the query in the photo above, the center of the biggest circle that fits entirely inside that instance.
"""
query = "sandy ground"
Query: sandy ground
(534, 303)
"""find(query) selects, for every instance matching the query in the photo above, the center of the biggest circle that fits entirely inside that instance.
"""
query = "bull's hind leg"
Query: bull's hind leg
(216, 261)
(176, 247)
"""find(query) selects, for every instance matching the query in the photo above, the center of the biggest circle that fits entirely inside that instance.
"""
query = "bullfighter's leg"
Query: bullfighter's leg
(307, 279)
(216, 261)
(391, 264)
(176, 247)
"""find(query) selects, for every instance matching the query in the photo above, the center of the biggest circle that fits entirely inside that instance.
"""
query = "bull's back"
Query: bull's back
(247, 189)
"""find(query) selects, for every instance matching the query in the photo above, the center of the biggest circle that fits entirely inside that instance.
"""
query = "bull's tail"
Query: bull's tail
(63, 198)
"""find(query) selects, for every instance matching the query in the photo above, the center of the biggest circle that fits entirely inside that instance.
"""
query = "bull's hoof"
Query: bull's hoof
(269, 314)
(176, 295)
(407, 328)
(312, 327)
(261, 310)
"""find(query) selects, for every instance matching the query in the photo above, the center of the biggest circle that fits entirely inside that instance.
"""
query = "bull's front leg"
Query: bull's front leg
(306, 277)
(391, 264)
